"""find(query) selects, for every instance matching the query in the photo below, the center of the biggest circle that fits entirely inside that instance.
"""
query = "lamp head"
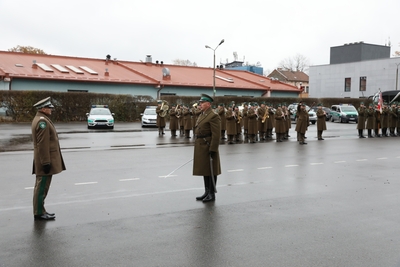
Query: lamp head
(222, 41)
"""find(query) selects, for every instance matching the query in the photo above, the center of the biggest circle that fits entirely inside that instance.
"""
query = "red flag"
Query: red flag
(380, 102)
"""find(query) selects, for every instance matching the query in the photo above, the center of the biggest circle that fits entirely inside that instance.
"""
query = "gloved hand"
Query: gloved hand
(46, 168)
(212, 153)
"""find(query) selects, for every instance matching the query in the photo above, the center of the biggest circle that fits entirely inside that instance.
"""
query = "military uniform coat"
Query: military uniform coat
(173, 120)
(362, 116)
(209, 126)
(245, 120)
(160, 120)
(321, 120)
(385, 118)
(279, 122)
(46, 146)
(252, 122)
(262, 127)
(302, 121)
(392, 117)
(230, 123)
(221, 113)
(370, 119)
(187, 120)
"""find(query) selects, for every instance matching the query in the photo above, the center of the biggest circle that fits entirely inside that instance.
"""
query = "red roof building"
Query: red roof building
(19, 71)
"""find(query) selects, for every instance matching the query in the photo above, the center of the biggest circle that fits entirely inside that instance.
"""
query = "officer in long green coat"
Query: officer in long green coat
(370, 120)
(302, 123)
(208, 134)
(47, 160)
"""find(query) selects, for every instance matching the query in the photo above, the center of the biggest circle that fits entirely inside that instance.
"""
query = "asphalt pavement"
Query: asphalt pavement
(329, 203)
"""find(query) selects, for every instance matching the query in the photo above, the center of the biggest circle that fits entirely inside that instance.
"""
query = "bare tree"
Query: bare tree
(27, 50)
(397, 53)
(296, 63)
(183, 62)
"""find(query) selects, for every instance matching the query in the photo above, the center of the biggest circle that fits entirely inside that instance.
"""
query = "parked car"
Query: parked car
(149, 117)
(311, 113)
(344, 113)
(100, 116)
(327, 111)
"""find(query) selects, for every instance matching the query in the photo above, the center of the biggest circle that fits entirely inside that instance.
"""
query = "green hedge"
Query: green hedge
(73, 106)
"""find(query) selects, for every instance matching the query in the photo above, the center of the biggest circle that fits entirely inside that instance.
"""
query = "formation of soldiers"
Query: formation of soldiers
(379, 122)
(248, 122)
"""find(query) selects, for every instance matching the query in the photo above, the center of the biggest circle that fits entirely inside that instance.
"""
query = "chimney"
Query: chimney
(106, 73)
(34, 66)
(148, 60)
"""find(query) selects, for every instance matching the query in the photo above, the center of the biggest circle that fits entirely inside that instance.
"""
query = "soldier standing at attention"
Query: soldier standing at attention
(362, 116)
(321, 121)
(302, 123)
(47, 159)
(280, 127)
(230, 124)
(252, 123)
(370, 120)
(245, 121)
(173, 120)
(392, 119)
(385, 120)
(187, 121)
(160, 119)
(208, 134)
(221, 113)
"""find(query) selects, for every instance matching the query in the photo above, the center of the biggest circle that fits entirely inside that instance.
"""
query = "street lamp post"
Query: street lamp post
(222, 41)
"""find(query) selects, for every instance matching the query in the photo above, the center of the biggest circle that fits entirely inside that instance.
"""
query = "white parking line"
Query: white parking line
(86, 183)
(238, 170)
(263, 168)
(316, 163)
(381, 158)
(166, 176)
(361, 159)
(130, 179)
(288, 166)
(340, 161)
(29, 188)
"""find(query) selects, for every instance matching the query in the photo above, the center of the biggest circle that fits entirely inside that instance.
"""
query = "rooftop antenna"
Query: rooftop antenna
(235, 56)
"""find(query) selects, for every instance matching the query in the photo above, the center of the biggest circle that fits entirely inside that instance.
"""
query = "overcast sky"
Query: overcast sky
(257, 30)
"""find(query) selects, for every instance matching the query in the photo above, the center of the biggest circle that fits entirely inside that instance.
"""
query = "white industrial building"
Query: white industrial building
(356, 70)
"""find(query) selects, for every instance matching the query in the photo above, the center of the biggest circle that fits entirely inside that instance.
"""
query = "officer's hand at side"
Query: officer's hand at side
(212, 153)
(46, 168)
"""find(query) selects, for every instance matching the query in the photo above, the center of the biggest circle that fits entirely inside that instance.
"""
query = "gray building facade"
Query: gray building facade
(361, 75)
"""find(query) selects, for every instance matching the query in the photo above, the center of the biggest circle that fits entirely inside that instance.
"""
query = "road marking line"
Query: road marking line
(291, 166)
(340, 161)
(238, 170)
(317, 163)
(263, 168)
(398, 157)
(86, 183)
(361, 159)
(29, 187)
(165, 176)
(130, 179)
(381, 158)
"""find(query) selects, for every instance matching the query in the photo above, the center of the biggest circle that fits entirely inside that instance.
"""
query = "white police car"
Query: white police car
(100, 116)
(149, 116)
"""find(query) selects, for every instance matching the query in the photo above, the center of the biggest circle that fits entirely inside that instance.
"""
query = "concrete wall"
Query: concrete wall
(358, 52)
(328, 80)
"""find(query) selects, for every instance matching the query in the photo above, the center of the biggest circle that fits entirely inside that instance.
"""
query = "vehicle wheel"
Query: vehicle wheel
(341, 120)
(89, 127)
(313, 122)
(111, 127)
(331, 119)
(356, 121)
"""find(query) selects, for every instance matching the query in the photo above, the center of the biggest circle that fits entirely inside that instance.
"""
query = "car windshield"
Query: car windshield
(150, 112)
(100, 111)
(348, 109)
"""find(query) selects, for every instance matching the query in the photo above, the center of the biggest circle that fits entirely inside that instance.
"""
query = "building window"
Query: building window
(363, 83)
(347, 84)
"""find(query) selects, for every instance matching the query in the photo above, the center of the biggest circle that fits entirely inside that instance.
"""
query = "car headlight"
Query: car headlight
(90, 120)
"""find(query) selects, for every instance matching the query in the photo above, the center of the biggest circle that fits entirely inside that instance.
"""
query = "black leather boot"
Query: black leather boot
(206, 188)
(211, 194)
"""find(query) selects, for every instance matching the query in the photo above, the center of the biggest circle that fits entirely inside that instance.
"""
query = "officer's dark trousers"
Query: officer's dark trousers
(42, 186)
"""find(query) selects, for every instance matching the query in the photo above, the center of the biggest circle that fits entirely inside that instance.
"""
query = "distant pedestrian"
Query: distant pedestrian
(321, 121)
(47, 159)
(362, 117)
